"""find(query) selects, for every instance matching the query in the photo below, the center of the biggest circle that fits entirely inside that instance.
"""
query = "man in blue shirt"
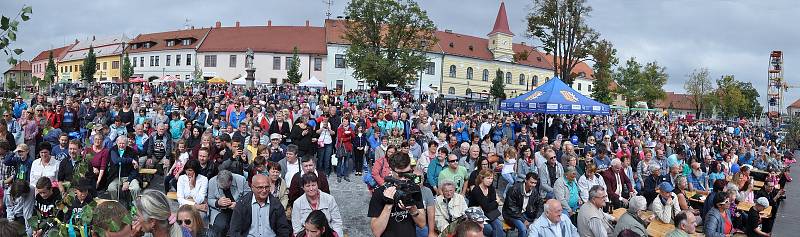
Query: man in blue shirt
(19, 106)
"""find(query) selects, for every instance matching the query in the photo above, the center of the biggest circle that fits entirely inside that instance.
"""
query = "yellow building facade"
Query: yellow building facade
(108, 68)
(470, 64)
(108, 53)
(523, 77)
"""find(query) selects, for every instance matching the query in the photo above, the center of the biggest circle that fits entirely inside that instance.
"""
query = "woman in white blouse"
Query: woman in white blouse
(192, 187)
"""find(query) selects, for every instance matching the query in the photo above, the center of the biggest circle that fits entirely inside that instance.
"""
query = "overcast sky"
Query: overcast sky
(726, 36)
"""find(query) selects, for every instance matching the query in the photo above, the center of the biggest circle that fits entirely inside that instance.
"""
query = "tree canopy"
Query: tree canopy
(89, 67)
(498, 86)
(699, 87)
(294, 75)
(736, 99)
(127, 69)
(641, 82)
(605, 57)
(388, 40)
(561, 26)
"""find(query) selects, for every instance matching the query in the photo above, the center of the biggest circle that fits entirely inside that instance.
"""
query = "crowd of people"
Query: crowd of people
(259, 162)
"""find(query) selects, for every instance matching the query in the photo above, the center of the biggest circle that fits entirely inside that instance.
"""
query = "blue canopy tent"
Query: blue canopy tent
(554, 97)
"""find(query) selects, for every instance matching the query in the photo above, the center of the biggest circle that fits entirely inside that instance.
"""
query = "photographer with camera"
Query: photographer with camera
(395, 208)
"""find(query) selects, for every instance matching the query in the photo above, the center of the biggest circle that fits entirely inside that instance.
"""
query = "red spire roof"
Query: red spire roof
(501, 23)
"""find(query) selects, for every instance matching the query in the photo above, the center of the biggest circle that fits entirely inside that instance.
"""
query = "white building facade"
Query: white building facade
(340, 76)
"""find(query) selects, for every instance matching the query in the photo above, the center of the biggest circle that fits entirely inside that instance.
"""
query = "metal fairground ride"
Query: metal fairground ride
(776, 88)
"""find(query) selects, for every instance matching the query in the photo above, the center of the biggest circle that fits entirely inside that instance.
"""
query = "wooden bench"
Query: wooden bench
(147, 174)
(172, 195)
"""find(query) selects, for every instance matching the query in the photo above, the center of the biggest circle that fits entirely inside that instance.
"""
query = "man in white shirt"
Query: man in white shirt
(486, 126)
(290, 165)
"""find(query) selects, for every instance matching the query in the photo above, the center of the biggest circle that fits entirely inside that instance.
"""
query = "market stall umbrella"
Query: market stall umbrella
(217, 80)
(137, 80)
(313, 83)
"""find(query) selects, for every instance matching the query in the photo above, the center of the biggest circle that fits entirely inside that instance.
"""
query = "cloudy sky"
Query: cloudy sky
(726, 36)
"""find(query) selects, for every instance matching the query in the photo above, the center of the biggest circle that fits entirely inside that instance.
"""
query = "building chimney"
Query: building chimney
(523, 43)
(218, 25)
(269, 22)
(237, 23)
(448, 31)
(192, 27)
(308, 23)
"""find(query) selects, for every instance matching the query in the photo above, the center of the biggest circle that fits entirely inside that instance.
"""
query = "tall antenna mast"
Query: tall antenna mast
(328, 11)
(186, 25)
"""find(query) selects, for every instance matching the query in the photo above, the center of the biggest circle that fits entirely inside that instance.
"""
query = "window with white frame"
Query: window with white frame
(509, 78)
(317, 64)
(340, 63)
(188, 60)
(485, 75)
(430, 68)
(469, 73)
(452, 70)
(521, 79)
(210, 61)
(276, 63)
(451, 90)
(232, 61)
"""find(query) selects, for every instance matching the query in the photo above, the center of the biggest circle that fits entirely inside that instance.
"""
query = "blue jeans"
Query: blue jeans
(324, 159)
(422, 232)
(343, 168)
(494, 228)
(520, 224)
(509, 177)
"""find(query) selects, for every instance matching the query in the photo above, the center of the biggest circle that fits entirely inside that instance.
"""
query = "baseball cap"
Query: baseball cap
(762, 201)
(275, 136)
(665, 186)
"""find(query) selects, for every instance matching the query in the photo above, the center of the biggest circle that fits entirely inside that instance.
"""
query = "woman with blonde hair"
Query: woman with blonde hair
(152, 216)
(509, 166)
(189, 217)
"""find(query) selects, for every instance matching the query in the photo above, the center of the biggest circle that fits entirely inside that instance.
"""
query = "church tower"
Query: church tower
(501, 38)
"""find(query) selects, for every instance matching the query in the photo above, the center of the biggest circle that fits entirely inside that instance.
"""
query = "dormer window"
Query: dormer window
(582, 74)
(451, 44)
(185, 42)
(170, 43)
(148, 45)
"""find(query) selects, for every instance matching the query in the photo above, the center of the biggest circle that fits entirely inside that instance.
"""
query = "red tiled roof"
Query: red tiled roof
(57, 54)
(796, 104)
(21, 66)
(278, 39)
(501, 22)
(581, 67)
(160, 40)
(676, 101)
(461, 45)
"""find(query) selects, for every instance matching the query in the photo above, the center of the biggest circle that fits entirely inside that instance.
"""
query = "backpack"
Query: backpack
(368, 178)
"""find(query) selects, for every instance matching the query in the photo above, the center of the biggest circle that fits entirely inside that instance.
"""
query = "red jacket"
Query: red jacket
(344, 138)
(611, 184)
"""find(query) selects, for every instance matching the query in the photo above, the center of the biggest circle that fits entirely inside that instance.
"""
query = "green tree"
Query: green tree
(736, 99)
(699, 87)
(605, 57)
(641, 82)
(127, 69)
(728, 97)
(89, 67)
(388, 40)
(294, 75)
(498, 89)
(197, 74)
(50, 72)
(793, 133)
(561, 26)
(8, 32)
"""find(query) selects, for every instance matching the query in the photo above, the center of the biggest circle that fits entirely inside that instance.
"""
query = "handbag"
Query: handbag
(334, 160)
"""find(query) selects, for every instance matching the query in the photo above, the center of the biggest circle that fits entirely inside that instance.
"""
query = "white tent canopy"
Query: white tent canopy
(313, 82)
(428, 90)
(240, 81)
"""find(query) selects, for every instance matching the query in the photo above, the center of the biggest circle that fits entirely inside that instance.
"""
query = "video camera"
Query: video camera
(407, 192)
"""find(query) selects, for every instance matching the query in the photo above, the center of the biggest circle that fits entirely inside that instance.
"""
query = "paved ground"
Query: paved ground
(353, 199)
(787, 222)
